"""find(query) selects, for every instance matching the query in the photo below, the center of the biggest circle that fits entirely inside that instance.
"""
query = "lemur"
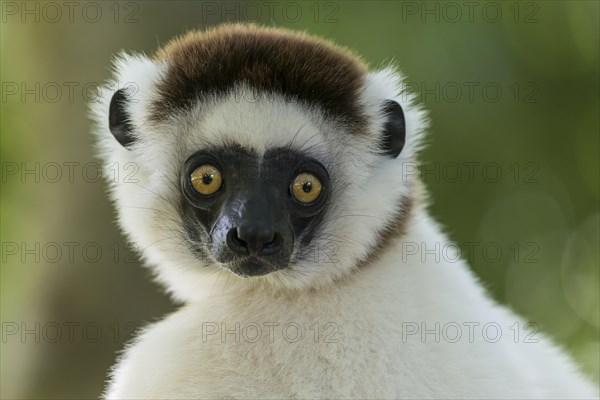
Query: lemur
(275, 195)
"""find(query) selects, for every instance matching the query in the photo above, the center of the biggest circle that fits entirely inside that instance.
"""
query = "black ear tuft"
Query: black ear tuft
(118, 120)
(394, 129)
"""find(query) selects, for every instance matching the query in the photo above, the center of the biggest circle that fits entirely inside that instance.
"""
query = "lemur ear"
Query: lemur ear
(394, 129)
(118, 119)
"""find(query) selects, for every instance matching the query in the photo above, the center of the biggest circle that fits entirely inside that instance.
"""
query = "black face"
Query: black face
(252, 210)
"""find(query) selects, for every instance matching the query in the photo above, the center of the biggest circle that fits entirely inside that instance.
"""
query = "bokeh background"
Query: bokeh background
(512, 163)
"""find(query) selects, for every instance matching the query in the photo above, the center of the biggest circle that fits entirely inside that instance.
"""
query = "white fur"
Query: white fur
(371, 306)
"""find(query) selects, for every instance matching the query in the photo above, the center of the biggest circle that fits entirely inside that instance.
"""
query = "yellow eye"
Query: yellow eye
(306, 187)
(206, 179)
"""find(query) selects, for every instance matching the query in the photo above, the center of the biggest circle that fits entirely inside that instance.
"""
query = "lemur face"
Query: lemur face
(268, 154)
(251, 209)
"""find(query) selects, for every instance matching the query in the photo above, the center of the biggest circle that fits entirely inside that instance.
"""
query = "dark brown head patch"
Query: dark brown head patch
(294, 65)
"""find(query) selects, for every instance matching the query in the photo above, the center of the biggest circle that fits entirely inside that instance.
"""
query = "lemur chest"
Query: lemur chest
(305, 348)
(298, 353)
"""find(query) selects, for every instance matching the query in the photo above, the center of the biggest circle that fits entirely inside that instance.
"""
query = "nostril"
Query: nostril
(235, 243)
(273, 242)
(274, 246)
(237, 239)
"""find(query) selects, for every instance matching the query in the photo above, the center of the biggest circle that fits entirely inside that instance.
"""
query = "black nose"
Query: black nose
(254, 240)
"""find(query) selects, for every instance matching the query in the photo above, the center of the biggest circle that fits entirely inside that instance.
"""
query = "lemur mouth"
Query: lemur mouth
(253, 266)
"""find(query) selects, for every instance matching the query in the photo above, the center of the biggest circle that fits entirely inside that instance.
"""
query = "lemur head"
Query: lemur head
(264, 154)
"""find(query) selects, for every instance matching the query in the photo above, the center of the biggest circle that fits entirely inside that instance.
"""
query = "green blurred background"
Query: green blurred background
(512, 163)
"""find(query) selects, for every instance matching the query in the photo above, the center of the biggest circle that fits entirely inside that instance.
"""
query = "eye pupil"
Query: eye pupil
(307, 187)
(207, 179)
